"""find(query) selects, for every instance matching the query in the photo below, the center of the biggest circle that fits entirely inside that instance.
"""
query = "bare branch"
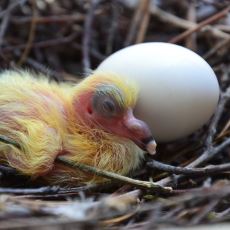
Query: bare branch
(87, 35)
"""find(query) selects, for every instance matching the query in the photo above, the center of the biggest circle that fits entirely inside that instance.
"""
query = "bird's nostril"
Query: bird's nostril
(136, 127)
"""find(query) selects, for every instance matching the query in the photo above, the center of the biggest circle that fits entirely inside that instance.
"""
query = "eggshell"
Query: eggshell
(178, 89)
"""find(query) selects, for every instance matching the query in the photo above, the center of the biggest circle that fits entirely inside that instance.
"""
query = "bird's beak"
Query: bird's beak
(139, 132)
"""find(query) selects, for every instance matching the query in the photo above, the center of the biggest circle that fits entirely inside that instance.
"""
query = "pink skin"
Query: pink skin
(125, 125)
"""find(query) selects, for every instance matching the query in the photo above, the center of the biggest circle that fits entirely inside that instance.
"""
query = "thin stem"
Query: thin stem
(113, 176)
(99, 172)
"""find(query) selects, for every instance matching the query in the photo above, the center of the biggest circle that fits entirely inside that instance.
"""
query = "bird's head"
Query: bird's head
(107, 101)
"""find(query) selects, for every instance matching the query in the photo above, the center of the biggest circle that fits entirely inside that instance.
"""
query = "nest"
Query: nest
(66, 39)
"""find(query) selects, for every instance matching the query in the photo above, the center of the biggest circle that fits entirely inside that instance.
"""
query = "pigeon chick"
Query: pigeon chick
(91, 122)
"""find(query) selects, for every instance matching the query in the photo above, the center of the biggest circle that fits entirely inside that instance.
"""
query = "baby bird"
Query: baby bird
(91, 122)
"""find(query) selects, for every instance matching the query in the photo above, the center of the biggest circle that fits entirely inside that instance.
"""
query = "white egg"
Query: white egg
(178, 89)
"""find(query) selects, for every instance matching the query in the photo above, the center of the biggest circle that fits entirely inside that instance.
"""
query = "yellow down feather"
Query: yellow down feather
(40, 116)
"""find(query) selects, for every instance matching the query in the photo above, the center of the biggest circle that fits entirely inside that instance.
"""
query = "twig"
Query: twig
(134, 24)
(113, 176)
(225, 131)
(206, 156)
(223, 213)
(87, 35)
(209, 154)
(63, 192)
(215, 32)
(209, 170)
(93, 52)
(191, 16)
(12, 6)
(55, 42)
(136, 21)
(31, 191)
(42, 68)
(31, 36)
(144, 23)
(204, 211)
(200, 25)
(4, 24)
(225, 28)
(43, 44)
(102, 173)
(170, 18)
(7, 171)
(112, 30)
(182, 23)
(49, 19)
(195, 205)
(218, 46)
(215, 119)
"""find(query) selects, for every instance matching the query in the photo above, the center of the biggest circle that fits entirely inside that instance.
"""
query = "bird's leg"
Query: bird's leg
(39, 146)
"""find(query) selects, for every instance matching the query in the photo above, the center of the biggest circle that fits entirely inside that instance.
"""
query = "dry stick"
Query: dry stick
(4, 24)
(31, 191)
(204, 212)
(182, 23)
(49, 19)
(200, 25)
(199, 201)
(211, 193)
(210, 170)
(93, 52)
(216, 118)
(225, 28)
(49, 191)
(41, 68)
(12, 6)
(138, 15)
(47, 221)
(171, 19)
(112, 30)
(215, 32)
(55, 42)
(43, 44)
(102, 173)
(206, 156)
(225, 131)
(87, 35)
(223, 213)
(7, 171)
(191, 16)
(212, 151)
(63, 192)
(209, 154)
(133, 26)
(31, 36)
(218, 46)
(113, 176)
(144, 23)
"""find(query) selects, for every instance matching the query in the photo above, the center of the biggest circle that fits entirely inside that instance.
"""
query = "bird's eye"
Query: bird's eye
(105, 103)
(105, 106)
(108, 106)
